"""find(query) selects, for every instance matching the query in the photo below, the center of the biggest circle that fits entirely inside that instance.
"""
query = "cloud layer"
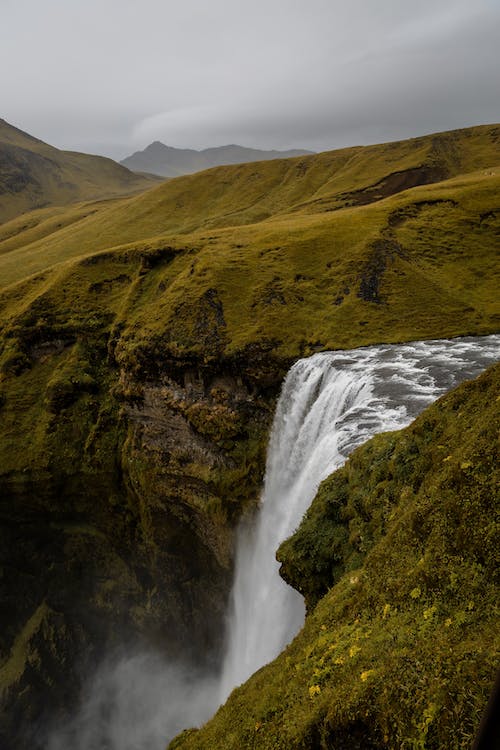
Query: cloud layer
(113, 75)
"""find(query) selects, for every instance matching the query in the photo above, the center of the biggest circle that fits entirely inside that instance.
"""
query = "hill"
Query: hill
(34, 174)
(143, 341)
(301, 198)
(398, 562)
(172, 162)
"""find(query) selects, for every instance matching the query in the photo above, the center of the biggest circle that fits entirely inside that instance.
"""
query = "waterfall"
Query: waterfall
(330, 403)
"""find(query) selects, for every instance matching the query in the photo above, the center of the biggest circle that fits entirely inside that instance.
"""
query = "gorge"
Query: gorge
(396, 559)
(330, 403)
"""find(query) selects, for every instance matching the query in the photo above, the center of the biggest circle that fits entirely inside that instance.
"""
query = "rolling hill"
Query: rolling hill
(34, 174)
(172, 162)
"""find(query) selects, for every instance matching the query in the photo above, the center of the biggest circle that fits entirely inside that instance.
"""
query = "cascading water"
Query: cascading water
(330, 403)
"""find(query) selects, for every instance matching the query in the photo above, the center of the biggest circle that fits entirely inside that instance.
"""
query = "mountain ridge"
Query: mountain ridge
(168, 161)
(34, 174)
(314, 190)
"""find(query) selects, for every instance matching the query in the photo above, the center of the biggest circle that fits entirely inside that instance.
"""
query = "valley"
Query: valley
(144, 338)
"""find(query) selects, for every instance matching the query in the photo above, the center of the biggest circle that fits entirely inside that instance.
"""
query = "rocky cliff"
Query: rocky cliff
(118, 509)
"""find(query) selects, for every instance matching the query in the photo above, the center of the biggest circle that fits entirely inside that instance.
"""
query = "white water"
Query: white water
(330, 403)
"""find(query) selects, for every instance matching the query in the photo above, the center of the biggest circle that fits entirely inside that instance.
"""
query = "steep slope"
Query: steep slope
(172, 162)
(34, 174)
(142, 345)
(398, 561)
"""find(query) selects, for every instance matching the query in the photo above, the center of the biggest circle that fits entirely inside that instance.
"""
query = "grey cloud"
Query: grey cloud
(111, 76)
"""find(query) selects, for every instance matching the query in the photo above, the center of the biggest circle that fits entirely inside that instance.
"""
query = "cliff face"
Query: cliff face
(398, 561)
(117, 511)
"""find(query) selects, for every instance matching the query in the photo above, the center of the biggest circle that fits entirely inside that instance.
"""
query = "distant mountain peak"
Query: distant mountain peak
(168, 161)
(154, 146)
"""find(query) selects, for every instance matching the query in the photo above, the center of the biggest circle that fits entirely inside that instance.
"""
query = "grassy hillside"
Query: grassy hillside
(304, 247)
(263, 195)
(419, 264)
(34, 174)
(398, 560)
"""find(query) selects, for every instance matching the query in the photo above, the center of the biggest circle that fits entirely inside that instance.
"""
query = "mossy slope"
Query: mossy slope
(118, 494)
(399, 551)
(419, 264)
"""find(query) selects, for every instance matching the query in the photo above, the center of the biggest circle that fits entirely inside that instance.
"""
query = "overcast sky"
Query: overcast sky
(110, 76)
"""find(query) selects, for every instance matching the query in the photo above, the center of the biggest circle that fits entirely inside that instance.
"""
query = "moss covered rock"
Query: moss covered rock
(119, 492)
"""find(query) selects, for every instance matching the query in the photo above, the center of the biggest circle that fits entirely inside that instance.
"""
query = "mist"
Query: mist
(137, 702)
(329, 404)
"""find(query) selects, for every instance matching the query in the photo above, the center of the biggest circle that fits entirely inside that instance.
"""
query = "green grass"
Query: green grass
(294, 281)
(287, 268)
(398, 561)
(247, 299)
(239, 195)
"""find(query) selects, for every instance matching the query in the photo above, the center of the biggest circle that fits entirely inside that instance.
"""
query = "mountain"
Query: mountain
(34, 175)
(143, 342)
(172, 162)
